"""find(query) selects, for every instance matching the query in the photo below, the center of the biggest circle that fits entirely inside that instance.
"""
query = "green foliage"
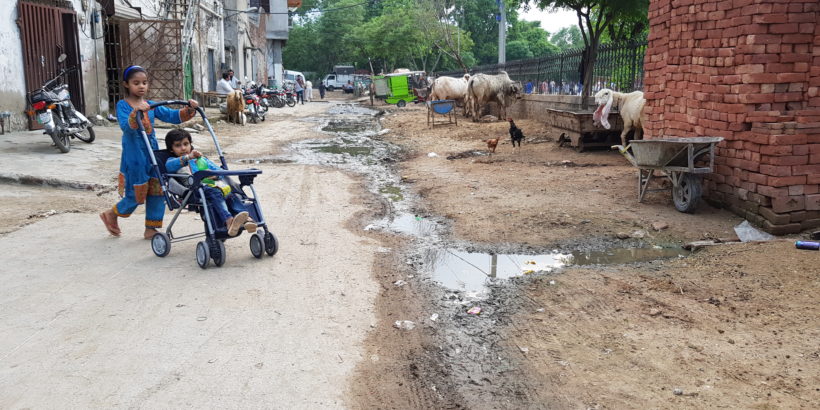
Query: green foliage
(518, 49)
(536, 39)
(568, 38)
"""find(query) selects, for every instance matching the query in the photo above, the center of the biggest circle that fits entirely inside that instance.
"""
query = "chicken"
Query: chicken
(516, 133)
(491, 144)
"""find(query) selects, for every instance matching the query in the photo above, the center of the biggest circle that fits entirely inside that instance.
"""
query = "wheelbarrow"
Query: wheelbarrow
(676, 159)
(441, 107)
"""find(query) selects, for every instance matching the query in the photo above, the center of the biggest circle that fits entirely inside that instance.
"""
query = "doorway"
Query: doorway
(211, 70)
(46, 32)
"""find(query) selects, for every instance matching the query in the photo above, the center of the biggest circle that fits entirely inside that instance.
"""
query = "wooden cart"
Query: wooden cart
(576, 129)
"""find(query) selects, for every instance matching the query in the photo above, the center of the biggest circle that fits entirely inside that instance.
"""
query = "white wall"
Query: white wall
(12, 80)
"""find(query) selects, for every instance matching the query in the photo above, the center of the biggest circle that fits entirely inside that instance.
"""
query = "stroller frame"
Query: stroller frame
(194, 199)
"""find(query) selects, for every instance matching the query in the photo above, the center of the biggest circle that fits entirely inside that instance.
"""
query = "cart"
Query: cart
(679, 159)
(396, 88)
(576, 129)
(445, 108)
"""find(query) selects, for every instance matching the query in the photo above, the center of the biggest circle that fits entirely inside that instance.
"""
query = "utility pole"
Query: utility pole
(502, 32)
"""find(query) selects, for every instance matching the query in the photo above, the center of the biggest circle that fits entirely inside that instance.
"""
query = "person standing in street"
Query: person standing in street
(308, 91)
(322, 89)
(138, 184)
(299, 87)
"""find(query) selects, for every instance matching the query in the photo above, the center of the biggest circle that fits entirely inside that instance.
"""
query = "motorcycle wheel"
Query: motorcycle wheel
(278, 103)
(291, 102)
(62, 141)
(87, 135)
(254, 115)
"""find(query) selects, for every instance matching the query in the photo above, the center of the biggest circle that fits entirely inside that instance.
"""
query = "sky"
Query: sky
(551, 22)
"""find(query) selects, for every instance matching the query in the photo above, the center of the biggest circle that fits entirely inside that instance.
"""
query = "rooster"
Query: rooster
(516, 133)
(491, 144)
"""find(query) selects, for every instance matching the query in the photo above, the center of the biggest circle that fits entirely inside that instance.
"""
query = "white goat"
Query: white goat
(629, 105)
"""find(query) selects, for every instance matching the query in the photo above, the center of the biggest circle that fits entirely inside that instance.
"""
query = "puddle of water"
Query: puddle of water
(412, 225)
(471, 272)
(623, 255)
(265, 160)
(343, 149)
(346, 127)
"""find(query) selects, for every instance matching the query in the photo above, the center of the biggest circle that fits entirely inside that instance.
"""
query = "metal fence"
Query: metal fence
(618, 66)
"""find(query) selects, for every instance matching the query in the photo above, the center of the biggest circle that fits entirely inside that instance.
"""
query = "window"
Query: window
(265, 4)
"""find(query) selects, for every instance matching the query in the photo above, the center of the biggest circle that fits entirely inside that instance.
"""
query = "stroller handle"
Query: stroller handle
(205, 121)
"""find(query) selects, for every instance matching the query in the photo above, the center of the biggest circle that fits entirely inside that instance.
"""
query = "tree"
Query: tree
(567, 38)
(438, 20)
(537, 39)
(594, 18)
(518, 50)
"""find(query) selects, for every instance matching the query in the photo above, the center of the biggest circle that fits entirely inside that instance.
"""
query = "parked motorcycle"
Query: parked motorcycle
(255, 111)
(290, 97)
(51, 104)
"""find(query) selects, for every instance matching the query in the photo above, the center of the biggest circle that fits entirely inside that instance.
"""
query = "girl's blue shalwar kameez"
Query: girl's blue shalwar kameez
(137, 182)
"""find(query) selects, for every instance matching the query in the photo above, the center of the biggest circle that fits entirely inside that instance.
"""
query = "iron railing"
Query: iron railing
(618, 66)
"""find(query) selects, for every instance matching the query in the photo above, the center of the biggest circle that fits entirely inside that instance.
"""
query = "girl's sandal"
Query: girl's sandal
(110, 225)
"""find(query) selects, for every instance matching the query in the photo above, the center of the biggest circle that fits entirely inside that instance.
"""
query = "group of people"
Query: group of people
(304, 89)
(139, 185)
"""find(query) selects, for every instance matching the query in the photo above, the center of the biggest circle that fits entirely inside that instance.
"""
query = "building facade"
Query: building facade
(747, 71)
(103, 37)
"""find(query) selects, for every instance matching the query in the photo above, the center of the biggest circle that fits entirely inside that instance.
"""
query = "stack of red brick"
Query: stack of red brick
(747, 71)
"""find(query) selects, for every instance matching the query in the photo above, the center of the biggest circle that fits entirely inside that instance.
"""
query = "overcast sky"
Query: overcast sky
(551, 22)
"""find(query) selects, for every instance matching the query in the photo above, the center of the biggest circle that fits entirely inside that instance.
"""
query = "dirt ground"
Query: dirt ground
(733, 326)
(730, 326)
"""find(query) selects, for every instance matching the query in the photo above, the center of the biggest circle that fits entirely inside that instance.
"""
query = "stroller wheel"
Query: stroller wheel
(203, 255)
(218, 252)
(161, 244)
(271, 243)
(256, 245)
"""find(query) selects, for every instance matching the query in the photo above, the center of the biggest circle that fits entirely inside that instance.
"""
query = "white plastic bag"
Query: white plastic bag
(746, 232)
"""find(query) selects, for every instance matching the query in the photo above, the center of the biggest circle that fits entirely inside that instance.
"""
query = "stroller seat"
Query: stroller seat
(171, 184)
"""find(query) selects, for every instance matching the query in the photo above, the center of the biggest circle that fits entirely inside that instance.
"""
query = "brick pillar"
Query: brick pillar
(747, 71)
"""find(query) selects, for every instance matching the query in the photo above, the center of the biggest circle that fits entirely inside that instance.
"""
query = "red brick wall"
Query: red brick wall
(747, 71)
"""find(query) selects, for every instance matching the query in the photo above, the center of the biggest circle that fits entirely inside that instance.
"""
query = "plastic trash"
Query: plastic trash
(813, 246)
(434, 317)
(474, 310)
(399, 283)
(432, 155)
(404, 325)
(746, 232)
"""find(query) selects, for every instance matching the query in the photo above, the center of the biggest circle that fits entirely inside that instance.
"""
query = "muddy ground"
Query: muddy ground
(730, 326)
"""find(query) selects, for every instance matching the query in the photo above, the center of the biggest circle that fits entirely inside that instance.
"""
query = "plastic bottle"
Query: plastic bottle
(815, 246)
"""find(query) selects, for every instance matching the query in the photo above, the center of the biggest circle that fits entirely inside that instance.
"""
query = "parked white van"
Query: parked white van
(290, 77)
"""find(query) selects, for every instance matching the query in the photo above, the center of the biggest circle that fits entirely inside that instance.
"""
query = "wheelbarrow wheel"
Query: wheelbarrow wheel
(686, 194)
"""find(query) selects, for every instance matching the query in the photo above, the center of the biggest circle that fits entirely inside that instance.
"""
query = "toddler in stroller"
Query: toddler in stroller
(202, 186)
(222, 200)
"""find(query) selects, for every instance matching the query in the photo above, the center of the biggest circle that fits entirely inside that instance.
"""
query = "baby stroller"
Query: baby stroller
(191, 196)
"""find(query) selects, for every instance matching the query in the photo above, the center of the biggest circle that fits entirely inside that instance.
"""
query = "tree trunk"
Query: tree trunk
(590, 55)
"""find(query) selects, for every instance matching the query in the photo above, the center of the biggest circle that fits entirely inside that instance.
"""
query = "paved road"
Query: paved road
(92, 321)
